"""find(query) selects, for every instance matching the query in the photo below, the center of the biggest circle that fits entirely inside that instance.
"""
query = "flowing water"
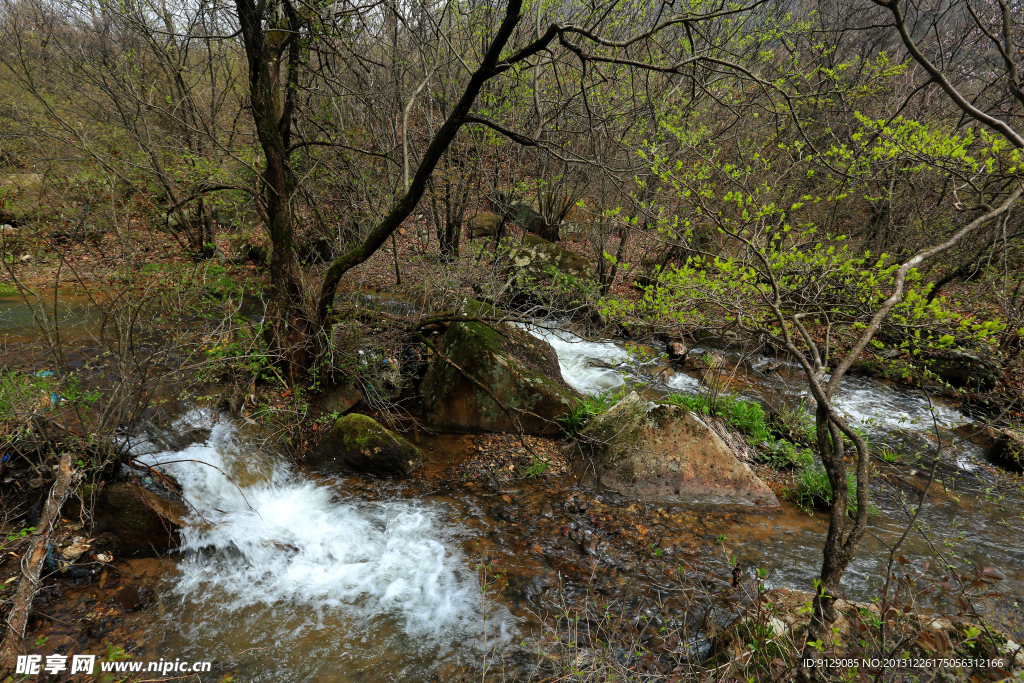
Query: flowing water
(286, 577)
(970, 517)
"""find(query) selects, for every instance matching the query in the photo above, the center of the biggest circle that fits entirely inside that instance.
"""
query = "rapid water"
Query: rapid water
(276, 563)
(980, 521)
(592, 367)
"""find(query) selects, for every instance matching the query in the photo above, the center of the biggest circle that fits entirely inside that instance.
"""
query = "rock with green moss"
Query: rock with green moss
(509, 365)
(359, 444)
(536, 257)
(667, 454)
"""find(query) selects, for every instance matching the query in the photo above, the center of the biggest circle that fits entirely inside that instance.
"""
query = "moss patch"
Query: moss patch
(358, 443)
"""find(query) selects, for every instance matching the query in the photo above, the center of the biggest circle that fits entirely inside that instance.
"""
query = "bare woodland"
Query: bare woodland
(823, 181)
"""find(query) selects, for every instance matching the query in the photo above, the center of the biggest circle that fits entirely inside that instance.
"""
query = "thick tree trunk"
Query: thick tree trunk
(286, 326)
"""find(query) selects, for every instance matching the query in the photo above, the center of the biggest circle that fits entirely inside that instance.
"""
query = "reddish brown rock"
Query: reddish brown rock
(667, 454)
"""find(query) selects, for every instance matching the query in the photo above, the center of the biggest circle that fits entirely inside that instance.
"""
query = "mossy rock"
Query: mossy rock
(359, 444)
(520, 370)
(536, 255)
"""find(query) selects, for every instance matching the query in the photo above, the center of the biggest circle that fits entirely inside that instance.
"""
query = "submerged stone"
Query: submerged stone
(359, 444)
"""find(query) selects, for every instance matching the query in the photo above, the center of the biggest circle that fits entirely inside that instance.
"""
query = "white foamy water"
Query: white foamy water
(276, 547)
(576, 357)
(883, 408)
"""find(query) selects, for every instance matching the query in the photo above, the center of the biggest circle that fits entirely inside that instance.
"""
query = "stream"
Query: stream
(978, 519)
(303, 572)
(287, 575)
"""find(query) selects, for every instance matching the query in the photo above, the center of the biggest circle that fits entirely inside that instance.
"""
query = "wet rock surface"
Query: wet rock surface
(1004, 445)
(508, 364)
(141, 520)
(359, 444)
(667, 454)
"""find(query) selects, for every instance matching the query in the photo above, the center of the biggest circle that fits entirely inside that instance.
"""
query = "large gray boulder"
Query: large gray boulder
(667, 454)
(359, 444)
(520, 370)
(535, 258)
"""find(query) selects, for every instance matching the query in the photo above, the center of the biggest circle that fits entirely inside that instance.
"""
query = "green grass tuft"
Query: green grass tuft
(583, 411)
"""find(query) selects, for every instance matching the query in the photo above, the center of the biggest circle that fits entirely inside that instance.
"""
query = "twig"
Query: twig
(31, 565)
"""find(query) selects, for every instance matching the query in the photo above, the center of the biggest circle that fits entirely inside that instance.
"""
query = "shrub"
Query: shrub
(780, 454)
(814, 492)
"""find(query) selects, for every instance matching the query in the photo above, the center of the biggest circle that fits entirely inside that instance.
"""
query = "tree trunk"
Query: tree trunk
(286, 326)
(407, 203)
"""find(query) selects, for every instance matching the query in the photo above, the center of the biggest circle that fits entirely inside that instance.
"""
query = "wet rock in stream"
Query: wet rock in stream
(141, 520)
(667, 454)
(358, 443)
(1003, 445)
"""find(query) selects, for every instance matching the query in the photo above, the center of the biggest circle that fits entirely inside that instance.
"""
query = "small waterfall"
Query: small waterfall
(591, 367)
(294, 559)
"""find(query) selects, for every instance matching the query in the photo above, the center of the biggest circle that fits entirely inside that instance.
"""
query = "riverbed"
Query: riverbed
(285, 574)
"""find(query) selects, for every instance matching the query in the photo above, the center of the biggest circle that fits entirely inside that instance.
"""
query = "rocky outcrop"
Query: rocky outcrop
(141, 520)
(536, 258)
(359, 444)
(965, 368)
(1004, 445)
(667, 454)
(520, 371)
(483, 224)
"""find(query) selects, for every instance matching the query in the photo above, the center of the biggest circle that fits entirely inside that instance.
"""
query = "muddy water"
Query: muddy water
(73, 315)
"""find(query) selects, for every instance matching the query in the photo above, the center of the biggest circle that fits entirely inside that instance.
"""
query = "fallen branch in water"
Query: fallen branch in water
(32, 565)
